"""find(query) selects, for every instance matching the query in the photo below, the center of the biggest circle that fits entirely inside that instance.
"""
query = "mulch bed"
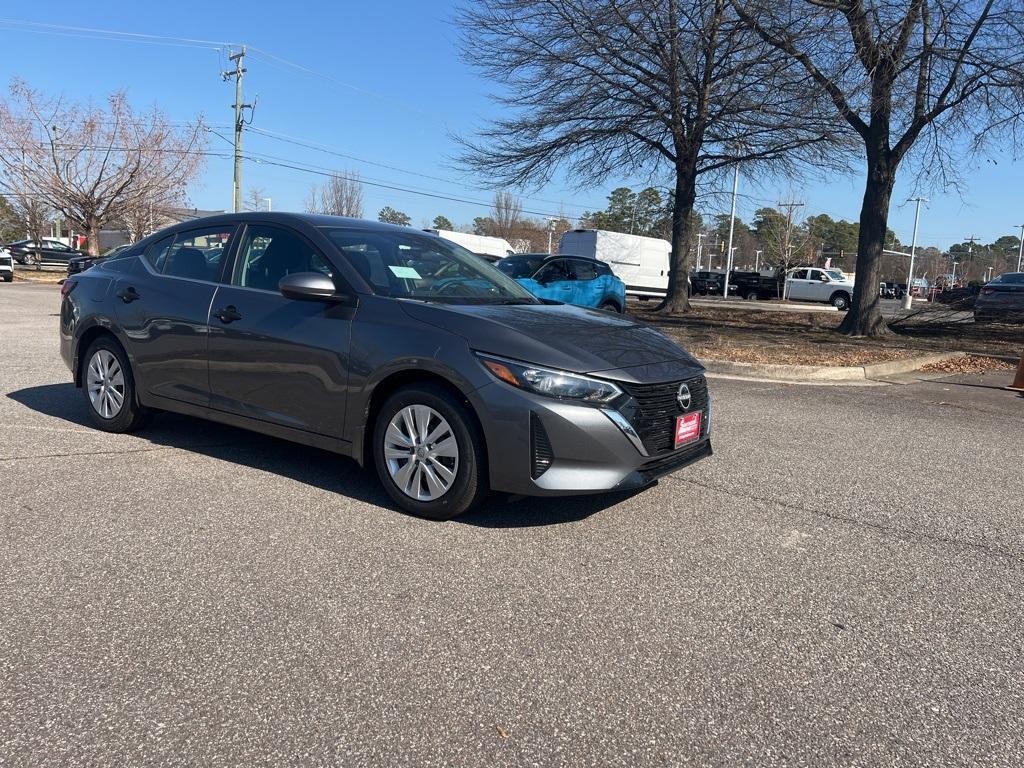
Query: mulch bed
(810, 338)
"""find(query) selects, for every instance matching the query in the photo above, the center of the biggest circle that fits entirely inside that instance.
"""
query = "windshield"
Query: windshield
(835, 274)
(1011, 277)
(425, 267)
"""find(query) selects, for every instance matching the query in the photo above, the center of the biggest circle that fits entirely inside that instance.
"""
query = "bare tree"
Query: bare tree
(92, 164)
(255, 199)
(341, 195)
(32, 214)
(926, 76)
(635, 88)
(506, 213)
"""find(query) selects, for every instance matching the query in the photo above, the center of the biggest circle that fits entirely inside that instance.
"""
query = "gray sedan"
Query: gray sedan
(1001, 300)
(399, 349)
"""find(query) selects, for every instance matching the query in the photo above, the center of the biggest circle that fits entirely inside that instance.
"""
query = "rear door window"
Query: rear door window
(196, 254)
(583, 270)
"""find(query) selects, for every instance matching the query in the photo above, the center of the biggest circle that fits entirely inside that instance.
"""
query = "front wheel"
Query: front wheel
(610, 306)
(751, 295)
(841, 301)
(9, 278)
(109, 388)
(429, 453)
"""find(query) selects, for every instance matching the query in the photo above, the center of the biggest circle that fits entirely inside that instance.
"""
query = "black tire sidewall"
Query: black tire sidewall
(610, 306)
(470, 480)
(840, 302)
(130, 416)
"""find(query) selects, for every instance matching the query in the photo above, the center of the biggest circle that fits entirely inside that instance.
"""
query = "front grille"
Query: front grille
(653, 408)
(541, 454)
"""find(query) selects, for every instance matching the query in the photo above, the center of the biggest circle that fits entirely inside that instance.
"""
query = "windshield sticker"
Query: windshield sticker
(405, 272)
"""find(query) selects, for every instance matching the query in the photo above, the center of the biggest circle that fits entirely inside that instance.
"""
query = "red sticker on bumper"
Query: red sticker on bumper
(687, 428)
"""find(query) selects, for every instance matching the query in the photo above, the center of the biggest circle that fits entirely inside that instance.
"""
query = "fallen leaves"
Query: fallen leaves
(970, 364)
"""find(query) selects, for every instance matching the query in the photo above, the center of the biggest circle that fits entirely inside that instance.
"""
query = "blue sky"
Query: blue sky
(388, 89)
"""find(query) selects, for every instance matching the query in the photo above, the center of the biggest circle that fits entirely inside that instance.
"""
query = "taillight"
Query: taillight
(67, 287)
(987, 291)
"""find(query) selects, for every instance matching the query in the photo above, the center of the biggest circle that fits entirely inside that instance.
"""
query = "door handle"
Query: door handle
(128, 295)
(228, 314)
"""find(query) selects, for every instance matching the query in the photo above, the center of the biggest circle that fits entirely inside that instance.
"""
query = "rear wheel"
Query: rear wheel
(429, 453)
(751, 295)
(610, 306)
(840, 301)
(109, 388)
(9, 277)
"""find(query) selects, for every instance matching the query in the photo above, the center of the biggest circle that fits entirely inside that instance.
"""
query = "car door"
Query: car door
(162, 304)
(586, 288)
(818, 285)
(799, 285)
(553, 281)
(55, 251)
(274, 359)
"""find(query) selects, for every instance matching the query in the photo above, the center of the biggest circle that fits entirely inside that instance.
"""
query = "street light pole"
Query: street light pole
(908, 299)
(269, 208)
(700, 236)
(1020, 253)
(757, 260)
(732, 225)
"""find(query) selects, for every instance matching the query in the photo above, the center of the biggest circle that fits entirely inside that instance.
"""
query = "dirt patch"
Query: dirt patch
(38, 277)
(810, 338)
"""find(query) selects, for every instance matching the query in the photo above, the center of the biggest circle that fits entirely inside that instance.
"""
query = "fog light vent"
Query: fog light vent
(541, 454)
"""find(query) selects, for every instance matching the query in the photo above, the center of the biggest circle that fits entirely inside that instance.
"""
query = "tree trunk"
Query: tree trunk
(677, 299)
(92, 238)
(864, 317)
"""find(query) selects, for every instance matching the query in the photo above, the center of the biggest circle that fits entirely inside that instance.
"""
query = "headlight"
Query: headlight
(551, 383)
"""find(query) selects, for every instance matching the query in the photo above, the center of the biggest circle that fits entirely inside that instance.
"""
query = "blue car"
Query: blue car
(567, 279)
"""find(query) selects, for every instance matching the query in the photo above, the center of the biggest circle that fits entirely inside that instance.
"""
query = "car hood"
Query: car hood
(563, 336)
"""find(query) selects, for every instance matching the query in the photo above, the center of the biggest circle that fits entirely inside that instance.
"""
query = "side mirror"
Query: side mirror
(310, 286)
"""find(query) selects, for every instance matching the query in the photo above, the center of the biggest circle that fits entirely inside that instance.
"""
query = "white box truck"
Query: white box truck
(642, 263)
(495, 247)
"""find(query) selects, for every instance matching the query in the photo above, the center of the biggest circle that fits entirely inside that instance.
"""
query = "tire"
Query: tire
(751, 296)
(610, 306)
(120, 411)
(468, 486)
(840, 301)
(9, 278)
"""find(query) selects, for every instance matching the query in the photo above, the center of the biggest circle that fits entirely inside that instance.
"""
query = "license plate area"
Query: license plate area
(687, 429)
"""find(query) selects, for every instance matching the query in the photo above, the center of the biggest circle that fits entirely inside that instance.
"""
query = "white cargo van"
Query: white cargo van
(642, 263)
(495, 247)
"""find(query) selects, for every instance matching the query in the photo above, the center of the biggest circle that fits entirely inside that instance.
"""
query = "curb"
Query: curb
(819, 373)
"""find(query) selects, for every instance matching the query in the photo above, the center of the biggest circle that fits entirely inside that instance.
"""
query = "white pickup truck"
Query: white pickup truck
(815, 284)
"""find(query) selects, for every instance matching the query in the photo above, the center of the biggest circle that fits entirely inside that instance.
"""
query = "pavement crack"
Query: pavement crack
(852, 521)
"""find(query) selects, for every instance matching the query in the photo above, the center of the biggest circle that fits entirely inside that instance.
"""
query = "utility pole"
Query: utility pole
(732, 224)
(237, 73)
(1020, 253)
(908, 298)
(702, 235)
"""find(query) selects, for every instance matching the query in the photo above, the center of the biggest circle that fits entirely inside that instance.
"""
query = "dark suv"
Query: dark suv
(394, 347)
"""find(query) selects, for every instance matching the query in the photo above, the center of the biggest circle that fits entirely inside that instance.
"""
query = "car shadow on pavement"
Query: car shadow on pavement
(312, 466)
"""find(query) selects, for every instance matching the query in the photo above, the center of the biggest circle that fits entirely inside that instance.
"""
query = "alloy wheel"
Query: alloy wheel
(421, 452)
(105, 382)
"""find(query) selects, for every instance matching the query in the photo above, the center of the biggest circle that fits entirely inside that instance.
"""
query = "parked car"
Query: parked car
(82, 263)
(579, 281)
(1001, 299)
(6, 265)
(397, 348)
(826, 285)
(50, 251)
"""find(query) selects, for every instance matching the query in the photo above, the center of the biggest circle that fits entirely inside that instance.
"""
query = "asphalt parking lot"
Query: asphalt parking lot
(840, 584)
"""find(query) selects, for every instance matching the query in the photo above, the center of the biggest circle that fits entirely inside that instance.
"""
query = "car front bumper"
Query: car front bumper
(585, 448)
